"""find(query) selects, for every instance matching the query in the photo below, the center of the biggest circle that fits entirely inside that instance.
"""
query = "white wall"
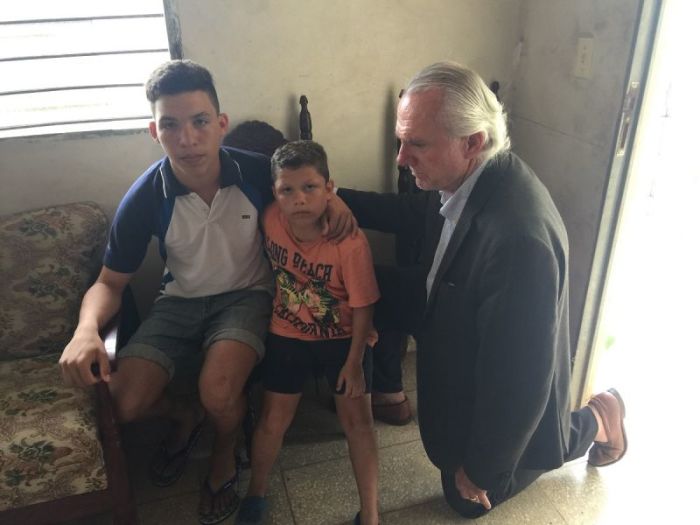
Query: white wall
(564, 126)
(349, 58)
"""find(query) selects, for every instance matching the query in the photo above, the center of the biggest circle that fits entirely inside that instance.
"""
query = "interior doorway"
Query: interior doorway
(648, 341)
(651, 307)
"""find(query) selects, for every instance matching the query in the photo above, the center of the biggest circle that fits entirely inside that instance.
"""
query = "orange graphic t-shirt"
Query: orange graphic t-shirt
(318, 283)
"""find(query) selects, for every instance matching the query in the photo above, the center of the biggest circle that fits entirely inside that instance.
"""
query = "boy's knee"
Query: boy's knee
(136, 387)
(356, 422)
(272, 423)
(223, 378)
(219, 395)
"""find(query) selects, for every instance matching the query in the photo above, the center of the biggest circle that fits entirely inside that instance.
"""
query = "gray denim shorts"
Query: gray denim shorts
(177, 327)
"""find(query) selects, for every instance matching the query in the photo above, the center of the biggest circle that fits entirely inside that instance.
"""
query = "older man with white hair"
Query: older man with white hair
(489, 301)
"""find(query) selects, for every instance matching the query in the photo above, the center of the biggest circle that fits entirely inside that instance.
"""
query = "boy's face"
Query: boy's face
(302, 194)
(190, 131)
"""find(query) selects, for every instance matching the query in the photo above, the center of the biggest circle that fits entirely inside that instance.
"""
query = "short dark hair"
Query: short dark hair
(255, 135)
(180, 76)
(300, 153)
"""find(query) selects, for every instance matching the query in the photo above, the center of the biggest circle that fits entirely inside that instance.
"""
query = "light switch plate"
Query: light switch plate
(584, 57)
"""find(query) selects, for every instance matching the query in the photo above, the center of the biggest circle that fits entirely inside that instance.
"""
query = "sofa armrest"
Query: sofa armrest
(107, 421)
(110, 336)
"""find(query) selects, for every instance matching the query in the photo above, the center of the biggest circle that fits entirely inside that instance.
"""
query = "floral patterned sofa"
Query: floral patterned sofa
(60, 456)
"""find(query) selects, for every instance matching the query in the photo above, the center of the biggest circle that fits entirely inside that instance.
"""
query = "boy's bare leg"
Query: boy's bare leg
(277, 414)
(355, 415)
(224, 374)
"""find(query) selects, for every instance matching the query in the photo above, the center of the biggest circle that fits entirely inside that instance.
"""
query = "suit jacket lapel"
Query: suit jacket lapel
(487, 183)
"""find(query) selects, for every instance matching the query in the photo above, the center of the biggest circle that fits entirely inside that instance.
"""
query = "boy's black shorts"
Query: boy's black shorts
(288, 363)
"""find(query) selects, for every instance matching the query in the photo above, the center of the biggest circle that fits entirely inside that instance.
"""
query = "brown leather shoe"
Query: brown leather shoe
(611, 409)
(398, 414)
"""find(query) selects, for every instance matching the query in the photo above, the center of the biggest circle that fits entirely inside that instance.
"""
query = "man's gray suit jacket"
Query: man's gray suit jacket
(493, 357)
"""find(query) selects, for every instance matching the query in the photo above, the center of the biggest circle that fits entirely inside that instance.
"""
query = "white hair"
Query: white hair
(468, 105)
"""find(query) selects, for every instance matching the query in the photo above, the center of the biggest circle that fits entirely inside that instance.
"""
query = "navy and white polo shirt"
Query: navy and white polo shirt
(207, 250)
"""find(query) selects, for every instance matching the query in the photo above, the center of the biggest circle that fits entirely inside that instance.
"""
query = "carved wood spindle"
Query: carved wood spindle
(305, 119)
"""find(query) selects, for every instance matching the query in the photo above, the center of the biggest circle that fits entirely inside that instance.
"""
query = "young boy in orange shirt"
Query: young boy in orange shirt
(322, 313)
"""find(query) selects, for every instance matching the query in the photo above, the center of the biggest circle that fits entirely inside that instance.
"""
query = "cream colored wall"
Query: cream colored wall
(564, 126)
(349, 58)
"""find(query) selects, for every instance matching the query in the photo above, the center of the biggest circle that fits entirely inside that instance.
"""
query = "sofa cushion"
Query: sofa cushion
(49, 446)
(49, 257)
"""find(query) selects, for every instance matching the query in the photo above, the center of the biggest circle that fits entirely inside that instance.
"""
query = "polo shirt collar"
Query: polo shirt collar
(230, 175)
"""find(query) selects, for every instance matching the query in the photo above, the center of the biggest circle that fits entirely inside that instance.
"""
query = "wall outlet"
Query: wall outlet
(584, 57)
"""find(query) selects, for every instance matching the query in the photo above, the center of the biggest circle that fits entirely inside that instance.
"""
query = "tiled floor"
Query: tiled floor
(313, 483)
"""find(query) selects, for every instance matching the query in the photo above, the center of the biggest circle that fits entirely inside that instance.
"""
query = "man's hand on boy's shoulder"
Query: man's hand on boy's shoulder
(339, 222)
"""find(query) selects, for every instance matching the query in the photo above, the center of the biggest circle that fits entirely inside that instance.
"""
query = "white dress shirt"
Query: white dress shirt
(452, 207)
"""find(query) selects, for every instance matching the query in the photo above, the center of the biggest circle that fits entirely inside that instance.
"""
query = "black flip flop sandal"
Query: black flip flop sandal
(166, 468)
(231, 486)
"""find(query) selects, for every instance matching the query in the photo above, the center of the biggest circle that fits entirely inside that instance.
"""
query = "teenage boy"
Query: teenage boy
(202, 202)
(322, 314)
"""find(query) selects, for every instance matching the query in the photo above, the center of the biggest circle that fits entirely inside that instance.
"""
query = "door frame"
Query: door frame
(641, 53)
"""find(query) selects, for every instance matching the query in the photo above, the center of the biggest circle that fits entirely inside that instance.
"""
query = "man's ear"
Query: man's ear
(329, 188)
(153, 130)
(474, 144)
(223, 122)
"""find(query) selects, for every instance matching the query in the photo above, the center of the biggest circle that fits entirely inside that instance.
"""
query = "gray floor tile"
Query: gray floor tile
(181, 509)
(280, 511)
(296, 454)
(433, 512)
(406, 476)
(576, 491)
(325, 493)
(619, 493)
(530, 507)
(389, 435)
(315, 435)
(312, 482)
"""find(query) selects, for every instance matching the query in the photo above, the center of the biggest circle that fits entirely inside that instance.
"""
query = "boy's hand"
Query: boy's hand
(339, 222)
(353, 377)
(82, 351)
